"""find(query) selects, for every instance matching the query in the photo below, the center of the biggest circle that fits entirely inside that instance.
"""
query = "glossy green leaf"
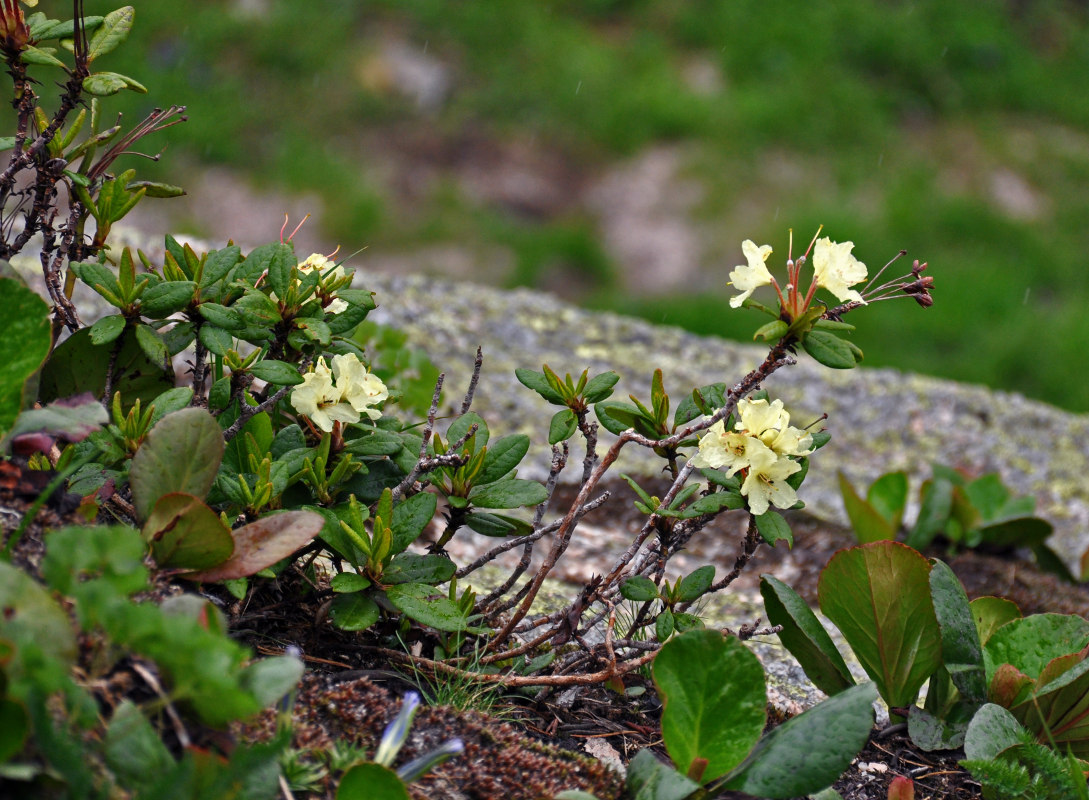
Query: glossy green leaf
(262, 543)
(346, 582)
(771, 331)
(181, 454)
(184, 533)
(278, 261)
(503, 456)
(24, 319)
(962, 653)
(429, 568)
(600, 387)
(153, 345)
(461, 426)
(563, 425)
(1031, 642)
(370, 781)
(165, 298)
(219, 263)
(991, 731)
(650, 779)
(868, 523)
(809, 751)
(107, 329)
(114, 29)
(664, 625)
(830, 350)
(354, 611)
(537, 382)
(104, 84)
(216, 339)
(278, 373)
(695, 583)
(991, 613)
(715, 700)
(497, 524)
(170, 401)
(410, 518)
(773, 527)
(805, 637)
(878, 595)
(428, 606)
(510, 493)
(638, 588)
(616, 417)
(713, 503)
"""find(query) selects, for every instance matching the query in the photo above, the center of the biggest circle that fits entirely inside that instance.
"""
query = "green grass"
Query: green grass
(895, 119)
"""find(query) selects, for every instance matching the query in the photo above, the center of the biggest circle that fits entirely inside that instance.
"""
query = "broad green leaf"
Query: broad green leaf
(937, 504)
(510, 493)
(497, 524)
(711, 397)
(278, 373)
(222, 316)
(773, 527)
(24, 319)
(638, 588)
(107, 329)
(375, 442)
(432, 569)
(40, 56)
(664, 625)
(805, 637)
(962, 653)
(347, 582)
(34, 622)
(771, 331)
(537, 382)
(1031, 642)
(215, 339)
(262, 543)
(219, 263)
(713, 503)
(991, 613)
(945, 732)
(370, 781)
(695, 583)
(830, 350)
(878, 595)
(1020, 532)
(410, 517)
(563, 426)
(114, 29)
(170, 401)
(428, 606)
(165, 298)
(868, 523)
(888, 496)
(269, 680)
(809, 751)
(181, 454)
(153, 346)
(184, 533)
(616, 417)
(278, 261)
(503, 456)
(714, 700)
(600, 387)
(104, 84)
(991, 731)
(133, 749)
(650, 779)
(460, 426)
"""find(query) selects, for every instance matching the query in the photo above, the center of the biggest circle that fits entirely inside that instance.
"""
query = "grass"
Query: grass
(957, 131)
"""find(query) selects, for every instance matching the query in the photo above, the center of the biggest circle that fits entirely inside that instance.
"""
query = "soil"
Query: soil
(530, 747)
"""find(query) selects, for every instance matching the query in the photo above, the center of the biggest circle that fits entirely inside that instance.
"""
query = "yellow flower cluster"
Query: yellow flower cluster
(316, 262)
(355, 391)
(764, 444)
(834, 269)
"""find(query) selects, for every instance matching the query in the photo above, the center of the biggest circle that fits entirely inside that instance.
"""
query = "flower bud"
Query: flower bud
(14, 33)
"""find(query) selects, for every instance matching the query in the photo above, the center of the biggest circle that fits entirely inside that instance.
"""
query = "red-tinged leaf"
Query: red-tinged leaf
(184, 533)
(901, 788)
(1008, 684)
(878, 595)
(262, 543)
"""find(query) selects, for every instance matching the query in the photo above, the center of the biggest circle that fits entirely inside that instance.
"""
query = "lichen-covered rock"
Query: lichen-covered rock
(880, 419)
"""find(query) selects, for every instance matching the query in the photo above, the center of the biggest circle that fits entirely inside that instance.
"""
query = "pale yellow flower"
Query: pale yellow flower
(770, 422)
(354, 392)
(362, 389)
(751, 277)
(836, 269)
(734, 451)
(766, 484)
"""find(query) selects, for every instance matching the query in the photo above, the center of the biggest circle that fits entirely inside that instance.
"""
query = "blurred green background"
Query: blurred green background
(619, 151)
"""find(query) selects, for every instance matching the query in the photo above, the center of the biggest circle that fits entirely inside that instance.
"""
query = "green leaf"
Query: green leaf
(370, 781)
(114, 29)
(410, 517)
(563, 426)
(878, 595)
(946, 731)
(164, 299)
(888, 496)
(104, 84)
(107, 329)
(269, 680)
(183, 533)
(347, 582)
(714, 700)
(650, 779)
(181, 454)
(687, 622)
(460, 426)
(713, 503)
(14, 728)
(503, 456)
(278, 373)
(805, 637)
(279, 261)
(934, 510)
(868, 523)
(42, 28)
(216, 339)
(709, 397)
(1021, 532)
(773, 527)
(991, 613)
(432, 569)
(153, 345)
(75, 419)
(497, 524)
(40, 56)
(638, 588)
(428, 606)
(809, 751)
(962, 653)
(218, 264)
(24, 319)
(600, 387)
(771, 331)
(34, 622)
(992, 730)
(616, 417)
(538, 383)
(353, 612)
(133, 750)
(829, 349)
(262, 543)
(1031, 642)
(155, 188)
(222, 316)
(695, 583)
(510, 493)
(664, 625)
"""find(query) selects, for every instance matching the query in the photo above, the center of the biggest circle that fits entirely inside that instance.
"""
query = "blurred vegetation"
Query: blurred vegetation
(888, 122)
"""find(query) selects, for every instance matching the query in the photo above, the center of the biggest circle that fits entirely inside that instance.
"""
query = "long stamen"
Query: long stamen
(877, 275)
